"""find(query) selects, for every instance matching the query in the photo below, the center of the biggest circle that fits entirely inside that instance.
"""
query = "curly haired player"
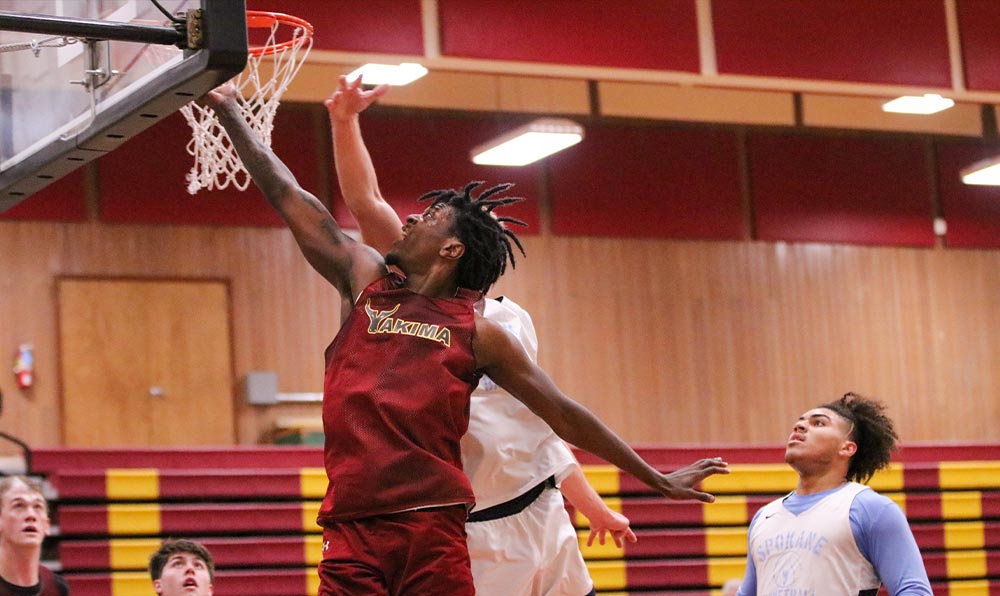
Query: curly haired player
(833, 535)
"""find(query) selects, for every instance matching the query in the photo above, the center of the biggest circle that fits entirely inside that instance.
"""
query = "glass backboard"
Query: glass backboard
(67, 96)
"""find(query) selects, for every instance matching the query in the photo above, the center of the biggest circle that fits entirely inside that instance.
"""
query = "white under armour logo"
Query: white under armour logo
(326, 545)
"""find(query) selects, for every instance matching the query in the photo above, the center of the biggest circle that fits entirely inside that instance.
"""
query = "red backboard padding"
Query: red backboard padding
(978, 22)
(902, 42)
(828, 189)
(63, 200)
(649, 182)
(384, 26)
(659, 34)
(143, 181)
(413, 155)
(972, 212)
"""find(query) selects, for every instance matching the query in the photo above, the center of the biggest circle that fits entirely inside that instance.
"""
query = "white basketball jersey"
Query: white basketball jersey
(508, 449)
(813, 553)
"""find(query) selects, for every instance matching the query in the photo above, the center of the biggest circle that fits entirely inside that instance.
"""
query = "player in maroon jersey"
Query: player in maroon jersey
(24, 524)
(399, 373)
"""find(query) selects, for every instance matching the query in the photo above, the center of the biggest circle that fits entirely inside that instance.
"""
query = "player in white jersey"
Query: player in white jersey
(521, 540)
(833, 535)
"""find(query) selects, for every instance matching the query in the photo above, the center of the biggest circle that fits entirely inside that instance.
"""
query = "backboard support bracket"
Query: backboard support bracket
(95, 77)
(176, 35)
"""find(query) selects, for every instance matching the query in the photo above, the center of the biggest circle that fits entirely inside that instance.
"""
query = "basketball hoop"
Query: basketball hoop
(216, 164)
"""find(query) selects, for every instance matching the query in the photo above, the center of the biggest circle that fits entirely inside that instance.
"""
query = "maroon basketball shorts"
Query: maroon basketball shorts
(413, 553)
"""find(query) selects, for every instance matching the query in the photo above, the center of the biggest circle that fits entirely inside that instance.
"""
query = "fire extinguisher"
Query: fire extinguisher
(24, 366)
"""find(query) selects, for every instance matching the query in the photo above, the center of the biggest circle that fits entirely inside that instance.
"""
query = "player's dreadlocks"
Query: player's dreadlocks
(487, 240)
(871, 429)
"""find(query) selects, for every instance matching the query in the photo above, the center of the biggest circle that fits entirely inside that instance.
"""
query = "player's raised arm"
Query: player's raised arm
(380, 225)
(499, 356)
(348, 265)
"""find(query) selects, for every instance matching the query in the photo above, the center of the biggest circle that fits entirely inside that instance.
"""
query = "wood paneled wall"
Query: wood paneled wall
(283, 313)
(721, 342)
(668, 341)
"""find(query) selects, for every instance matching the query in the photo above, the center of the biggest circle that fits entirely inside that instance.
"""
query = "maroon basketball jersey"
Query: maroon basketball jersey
(51, 585)
(396, 402)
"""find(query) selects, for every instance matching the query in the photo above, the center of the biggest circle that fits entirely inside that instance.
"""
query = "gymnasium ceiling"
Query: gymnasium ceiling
(813, 63)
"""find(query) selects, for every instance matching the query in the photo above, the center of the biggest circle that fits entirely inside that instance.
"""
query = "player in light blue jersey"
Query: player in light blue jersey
(833, 535)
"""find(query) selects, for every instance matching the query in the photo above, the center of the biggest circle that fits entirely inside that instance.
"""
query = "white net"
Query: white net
(270, 69)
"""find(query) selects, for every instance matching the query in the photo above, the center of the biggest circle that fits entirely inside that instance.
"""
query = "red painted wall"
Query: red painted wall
(660, 34)
(144, 180)
(416, 154)
(972, 212)
(650, 182)
(384, 26)
(979, 21)
(849, 189)
(902, 42)
(63, 200)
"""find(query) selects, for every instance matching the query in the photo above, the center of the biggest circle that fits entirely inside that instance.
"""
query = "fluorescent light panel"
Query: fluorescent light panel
(529, 143)
(929, 103)
(983, 173)
(389, 74)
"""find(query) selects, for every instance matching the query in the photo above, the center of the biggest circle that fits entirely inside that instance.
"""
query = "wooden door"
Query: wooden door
(145, 363)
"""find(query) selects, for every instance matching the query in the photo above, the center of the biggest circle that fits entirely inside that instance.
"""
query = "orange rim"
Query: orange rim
(260, 19)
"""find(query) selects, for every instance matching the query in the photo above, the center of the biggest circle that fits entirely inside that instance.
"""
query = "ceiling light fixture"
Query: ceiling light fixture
(983, 173)
(929, 103)
(389, 74)
(528, 143)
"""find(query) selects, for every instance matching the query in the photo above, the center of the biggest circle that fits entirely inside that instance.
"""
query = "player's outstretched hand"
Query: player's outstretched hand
(613, 523)
(351, 98)
(680, 484)
(220, 95)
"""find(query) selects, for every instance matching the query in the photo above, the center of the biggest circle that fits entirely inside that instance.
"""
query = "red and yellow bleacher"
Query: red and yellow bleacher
(255, 510)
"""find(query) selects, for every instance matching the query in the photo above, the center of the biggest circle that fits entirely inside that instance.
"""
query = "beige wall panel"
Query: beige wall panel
(482, 92)
(314, 83)
(455, 90)
(668, 341)
(554, 96)
(866, 113)
(449, 91)
(441, 90)
(642, 100)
